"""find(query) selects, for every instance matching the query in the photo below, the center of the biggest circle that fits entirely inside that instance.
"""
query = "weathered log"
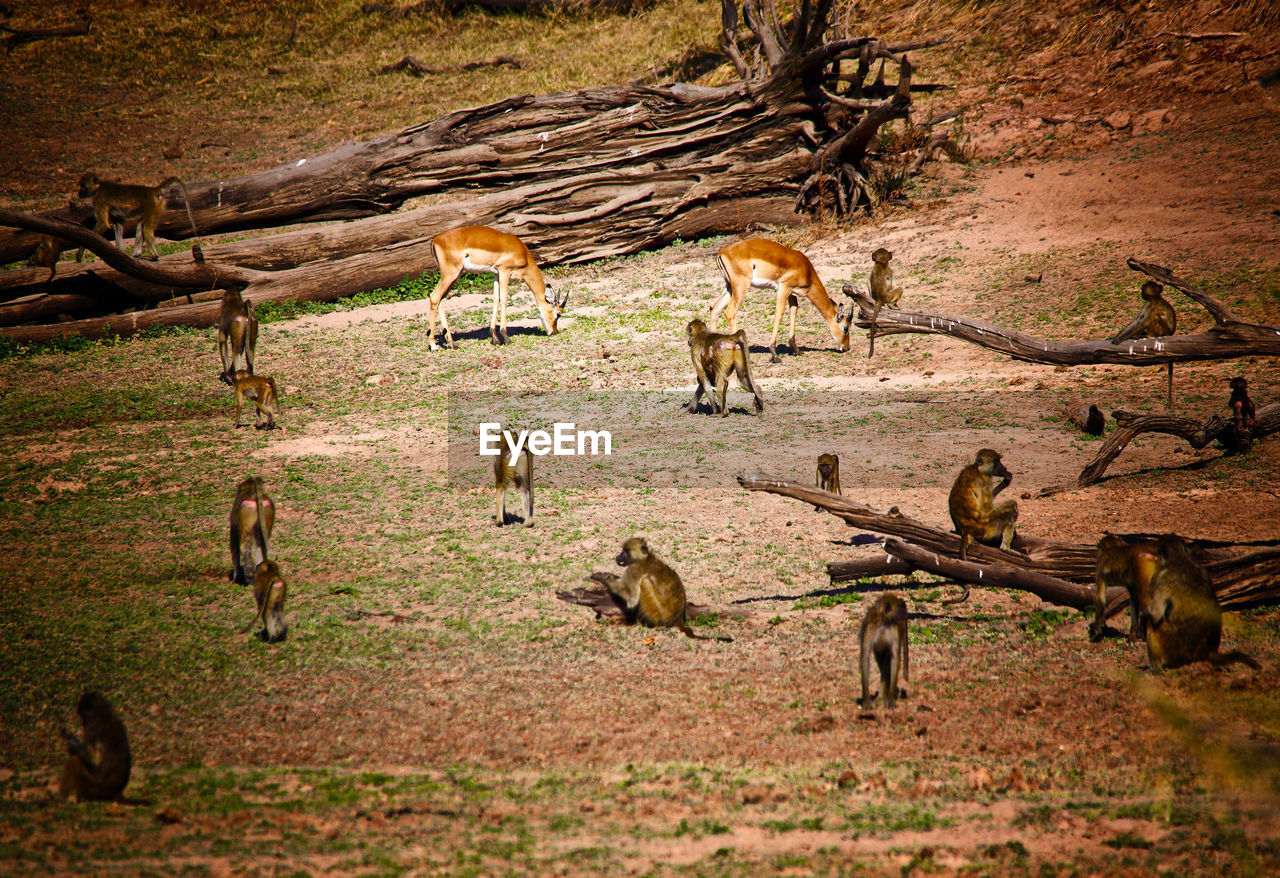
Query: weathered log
(1087, 417)
(1242, 574)
(1049, 588)
(1196, 433)
(860, 568)
(1228, 338)
(1044, 556)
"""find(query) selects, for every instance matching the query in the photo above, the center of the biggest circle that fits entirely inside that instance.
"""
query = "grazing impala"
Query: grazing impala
(482, 249)
(756, 262)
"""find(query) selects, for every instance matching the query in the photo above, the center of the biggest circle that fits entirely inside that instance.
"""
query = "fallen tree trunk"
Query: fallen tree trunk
(1228, 338)
(1196, 433)
(1242, 574)
(579, 176)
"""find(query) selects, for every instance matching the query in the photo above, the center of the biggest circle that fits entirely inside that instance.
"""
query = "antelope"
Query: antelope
(757, 262)
(486, 250)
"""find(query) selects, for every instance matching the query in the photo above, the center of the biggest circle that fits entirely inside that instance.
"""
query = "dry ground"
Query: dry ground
(437, 711)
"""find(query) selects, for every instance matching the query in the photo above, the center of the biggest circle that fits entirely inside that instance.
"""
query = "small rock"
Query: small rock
(1117, 120)
(848, 778)
(173, 150)
(755, 794)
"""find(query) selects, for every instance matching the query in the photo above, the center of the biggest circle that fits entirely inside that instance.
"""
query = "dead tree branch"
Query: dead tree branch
(1059, 572)
(1197, 434)
(1228, 338)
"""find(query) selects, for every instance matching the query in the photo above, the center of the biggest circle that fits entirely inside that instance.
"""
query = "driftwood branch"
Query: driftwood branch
(1242, 574)
(1230, 337)
(1197, 434)
(1049, 588)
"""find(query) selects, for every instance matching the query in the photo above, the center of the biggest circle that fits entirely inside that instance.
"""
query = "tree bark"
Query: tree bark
(1242, 574)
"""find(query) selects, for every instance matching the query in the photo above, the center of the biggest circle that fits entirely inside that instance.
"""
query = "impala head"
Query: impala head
(550, 314)
(844, 317)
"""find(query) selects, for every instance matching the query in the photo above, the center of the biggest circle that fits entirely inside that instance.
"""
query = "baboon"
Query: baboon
(1129, 566)
(880, 284)
(1242, 410)
(97, 768)
(269, 593)
(717, 356)
(649, 590)
(261, 391)
(237, 335)
(253, 515)
(757, 262)
(136, 202)
(972, 511)
(518, 475)
(47, 254)
(883, 635)
(828, 474)
(971, 499)
(1155, 319)
(486, 250)
(1184, 621)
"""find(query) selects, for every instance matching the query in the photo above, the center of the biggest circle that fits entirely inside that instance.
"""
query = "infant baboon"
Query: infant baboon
(97, 768)
(883, 635)
(1184, 622)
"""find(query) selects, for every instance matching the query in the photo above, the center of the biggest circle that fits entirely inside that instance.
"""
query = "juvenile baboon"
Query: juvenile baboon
(485, 250)
(971, 503)
(1155, 319)
(269, 593)
(828, 474)
(649, 590)
(882, 290)
(1129, 566)
(136, 202)
(253, 515)
(1184, 622)
(261, 391)
(1242, 410)
(97, 768)
(508, 475)
(237, 335)
(717, 356)
(757, 262)
(883, 635)
(47, 254)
